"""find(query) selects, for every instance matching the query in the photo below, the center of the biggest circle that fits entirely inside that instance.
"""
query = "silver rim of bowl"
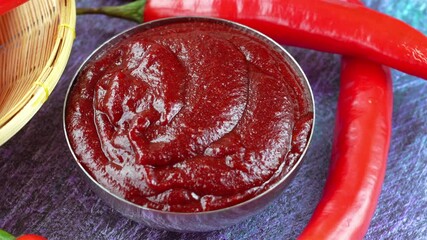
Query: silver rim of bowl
(144, 26)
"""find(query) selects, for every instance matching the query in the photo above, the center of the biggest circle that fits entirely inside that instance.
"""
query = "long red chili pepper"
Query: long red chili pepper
(359, 154)
(325, 25)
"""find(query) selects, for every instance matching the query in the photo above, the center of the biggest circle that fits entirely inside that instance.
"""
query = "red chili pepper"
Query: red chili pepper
(7, 5)
(31, 237)
(359, 154)
(324, 25)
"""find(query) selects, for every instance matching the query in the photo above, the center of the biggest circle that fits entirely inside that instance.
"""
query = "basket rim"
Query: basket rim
(49, 76)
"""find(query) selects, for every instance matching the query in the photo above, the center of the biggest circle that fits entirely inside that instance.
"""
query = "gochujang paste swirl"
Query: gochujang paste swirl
(188, 117)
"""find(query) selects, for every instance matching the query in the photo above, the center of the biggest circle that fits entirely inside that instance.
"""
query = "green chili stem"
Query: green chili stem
(131, 11)
(6, 236)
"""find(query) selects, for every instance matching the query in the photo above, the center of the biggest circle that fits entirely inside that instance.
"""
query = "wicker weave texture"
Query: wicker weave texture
(35, 44)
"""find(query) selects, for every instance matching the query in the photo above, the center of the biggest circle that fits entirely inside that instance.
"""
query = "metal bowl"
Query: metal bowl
(197, 221)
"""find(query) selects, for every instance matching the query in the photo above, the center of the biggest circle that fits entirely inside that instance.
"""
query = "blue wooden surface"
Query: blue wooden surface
(42, 191)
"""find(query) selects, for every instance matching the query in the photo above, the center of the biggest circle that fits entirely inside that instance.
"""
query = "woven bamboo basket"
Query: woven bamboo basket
(35, 44)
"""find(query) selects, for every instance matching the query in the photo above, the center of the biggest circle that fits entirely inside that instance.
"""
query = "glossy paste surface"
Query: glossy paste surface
(187, 117)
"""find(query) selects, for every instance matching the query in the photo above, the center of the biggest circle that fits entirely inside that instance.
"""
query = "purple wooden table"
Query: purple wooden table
(42, 190)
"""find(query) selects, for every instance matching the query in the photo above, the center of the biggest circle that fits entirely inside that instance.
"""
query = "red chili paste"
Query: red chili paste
(188, 117)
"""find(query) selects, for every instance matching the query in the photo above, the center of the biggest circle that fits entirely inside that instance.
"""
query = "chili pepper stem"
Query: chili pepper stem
(131, 11)
(5, 235)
